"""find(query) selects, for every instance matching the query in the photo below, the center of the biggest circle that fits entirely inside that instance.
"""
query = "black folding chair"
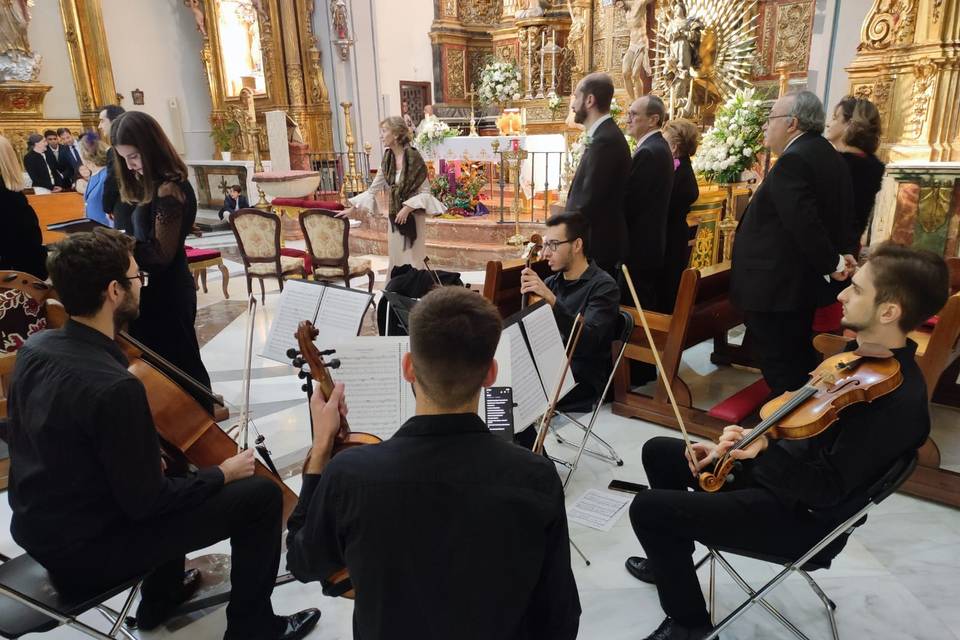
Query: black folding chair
(820, 556)
(30, 603)
(623, 331)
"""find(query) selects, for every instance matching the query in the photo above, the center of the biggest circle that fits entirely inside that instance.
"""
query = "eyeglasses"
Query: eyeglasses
(553, 245)
(769, 118)
(142, 276)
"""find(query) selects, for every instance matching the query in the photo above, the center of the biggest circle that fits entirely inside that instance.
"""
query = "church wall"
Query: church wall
(836, 34)
(404, 48)
(154, 46)
(47, 38)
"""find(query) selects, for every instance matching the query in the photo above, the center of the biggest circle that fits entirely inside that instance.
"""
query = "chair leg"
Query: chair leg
(225, 275)
(249, 285)
(829, 604)
(196, 279)
(712, 591)
(263, 295)
(370, 277)
(203, 279)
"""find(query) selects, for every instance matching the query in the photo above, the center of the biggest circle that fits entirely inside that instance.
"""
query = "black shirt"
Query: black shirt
(84, 454)
(447, 531)
(866, 174)
(835, 468)
(594, 294)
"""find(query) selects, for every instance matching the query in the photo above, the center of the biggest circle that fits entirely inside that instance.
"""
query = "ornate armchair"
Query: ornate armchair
(328, 245)
(258, 239)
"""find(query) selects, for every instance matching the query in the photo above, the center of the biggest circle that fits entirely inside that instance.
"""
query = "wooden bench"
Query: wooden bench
(56, 207)
(501, 286)
(702, 311)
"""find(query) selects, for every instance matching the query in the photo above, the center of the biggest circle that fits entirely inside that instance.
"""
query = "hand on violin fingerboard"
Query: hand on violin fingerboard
(734, 434)
(326, 414)
(531, 283)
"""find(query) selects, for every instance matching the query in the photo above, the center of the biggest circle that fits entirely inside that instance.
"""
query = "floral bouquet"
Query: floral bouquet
(499, 83)
(432, 132)
(554, 103)
(731, 145)
(616, 111)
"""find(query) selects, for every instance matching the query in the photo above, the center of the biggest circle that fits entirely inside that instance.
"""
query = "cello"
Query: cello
(531, 253)
(307, 354)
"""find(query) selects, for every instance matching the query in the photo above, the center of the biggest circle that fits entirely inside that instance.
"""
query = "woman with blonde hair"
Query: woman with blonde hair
(683, 137)
(93, 158)
(403, 174)
(21, 243)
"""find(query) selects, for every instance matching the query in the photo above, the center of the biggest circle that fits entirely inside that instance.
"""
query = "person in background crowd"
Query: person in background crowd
(93, 152)
(121, 212)
(683, 137)
(234, 200)
(43, 175)
(58, 158)
(21, 243)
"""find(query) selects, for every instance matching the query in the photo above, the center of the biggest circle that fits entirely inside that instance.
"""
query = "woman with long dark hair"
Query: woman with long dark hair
(152, 176)
(21, 243)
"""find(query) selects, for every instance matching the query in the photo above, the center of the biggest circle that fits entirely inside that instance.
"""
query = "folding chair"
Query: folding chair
(401, 306)
(819, 556)
(624, 330)
(30, 603)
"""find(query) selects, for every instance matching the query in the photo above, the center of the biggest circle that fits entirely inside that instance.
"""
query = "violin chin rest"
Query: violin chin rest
(873, 350)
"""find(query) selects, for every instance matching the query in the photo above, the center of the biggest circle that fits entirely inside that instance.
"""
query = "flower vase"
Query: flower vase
(225, 155)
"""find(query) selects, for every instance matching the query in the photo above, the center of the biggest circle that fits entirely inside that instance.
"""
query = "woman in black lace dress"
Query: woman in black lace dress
(151, 175)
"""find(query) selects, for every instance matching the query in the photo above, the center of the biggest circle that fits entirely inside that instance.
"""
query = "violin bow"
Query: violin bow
(572, 340)
(433, 274)
(243, 444)
(656, 357)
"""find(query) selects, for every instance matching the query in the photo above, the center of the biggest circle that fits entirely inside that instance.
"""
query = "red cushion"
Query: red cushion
(930, 323)
(742, 403)
(298, 253)
(307, 203)
(201, 255)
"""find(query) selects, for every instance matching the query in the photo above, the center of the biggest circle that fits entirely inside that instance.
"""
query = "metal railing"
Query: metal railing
(341, 173)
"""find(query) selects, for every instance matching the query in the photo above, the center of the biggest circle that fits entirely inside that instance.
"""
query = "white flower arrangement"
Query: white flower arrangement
(499, 83)
(554, 102)
(731, 145)
(432, 131)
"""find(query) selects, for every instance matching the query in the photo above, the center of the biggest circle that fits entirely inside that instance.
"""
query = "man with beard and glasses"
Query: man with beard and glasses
(789, 494)
(598, 186)
(85, 459)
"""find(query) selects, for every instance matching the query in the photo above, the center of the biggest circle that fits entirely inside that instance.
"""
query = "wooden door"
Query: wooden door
(413, 97)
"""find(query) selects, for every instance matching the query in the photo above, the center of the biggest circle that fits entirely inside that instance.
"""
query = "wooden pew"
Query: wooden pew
(501, 286)
(702, 311)
(56, 207)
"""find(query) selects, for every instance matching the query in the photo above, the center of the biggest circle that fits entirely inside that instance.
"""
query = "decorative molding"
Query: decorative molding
(89, 56)
(22, 100)
(794, 28)
(890, 23)
(925, 76)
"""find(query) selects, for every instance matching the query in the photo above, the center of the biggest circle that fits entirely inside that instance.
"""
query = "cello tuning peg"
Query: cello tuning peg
(328, 352)
(334, 364)
(302, 374)
(292, 353)
(304, 388)
(298, 362)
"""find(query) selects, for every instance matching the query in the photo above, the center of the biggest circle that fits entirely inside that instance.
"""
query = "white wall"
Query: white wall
(836, 34)
(47, 38)
(154, 46)
(403, 42)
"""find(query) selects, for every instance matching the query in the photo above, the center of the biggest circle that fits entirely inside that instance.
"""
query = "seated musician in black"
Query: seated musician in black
(447, 531)
(89, 497)
(790, 494)
(578, 286)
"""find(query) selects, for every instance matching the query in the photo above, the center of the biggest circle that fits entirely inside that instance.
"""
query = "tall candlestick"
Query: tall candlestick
(543, 44)
(553, 65)
(529, 94)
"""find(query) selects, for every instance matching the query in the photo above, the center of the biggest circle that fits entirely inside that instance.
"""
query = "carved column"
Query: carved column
(89, 56)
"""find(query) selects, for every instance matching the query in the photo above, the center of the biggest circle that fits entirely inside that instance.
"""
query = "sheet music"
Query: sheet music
(528, 392)
(341, 312)
(375, 390)
(598, 510)
(299, 301)
(549, 350)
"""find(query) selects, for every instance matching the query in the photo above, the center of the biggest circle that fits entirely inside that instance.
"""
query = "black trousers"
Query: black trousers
(248, 512)
(783, 347)
(669, 517)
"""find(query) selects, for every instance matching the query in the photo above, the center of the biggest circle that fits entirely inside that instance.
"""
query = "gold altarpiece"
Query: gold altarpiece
(288, 72)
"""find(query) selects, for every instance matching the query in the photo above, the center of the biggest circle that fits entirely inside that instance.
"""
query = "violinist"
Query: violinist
(788, 494)
(578, 286)
(446, 530)
(89, 496)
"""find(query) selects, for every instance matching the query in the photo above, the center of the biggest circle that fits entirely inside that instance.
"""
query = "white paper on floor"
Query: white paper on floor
(598, 509)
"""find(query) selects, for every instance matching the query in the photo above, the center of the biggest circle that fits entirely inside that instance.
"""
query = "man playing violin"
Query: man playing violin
(578, 286)
(788, 494)
(88, 492)
(446, 530)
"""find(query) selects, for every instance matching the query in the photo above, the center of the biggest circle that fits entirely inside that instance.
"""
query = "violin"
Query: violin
(844, 379)
(339, 583)
(531, 253)
(180, 420)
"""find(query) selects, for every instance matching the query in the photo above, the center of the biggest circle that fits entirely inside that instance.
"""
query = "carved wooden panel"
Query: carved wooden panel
(476, 60)
(413, 97)
(485, 12)
(455, 73)
(786, 27)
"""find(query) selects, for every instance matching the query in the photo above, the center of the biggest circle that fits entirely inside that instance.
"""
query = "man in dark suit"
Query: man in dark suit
(234, 200)
(120, 211)
(794, 237)
(38, 165)
(72, 148)
(647, 199)
(597, 188)
(58, 159)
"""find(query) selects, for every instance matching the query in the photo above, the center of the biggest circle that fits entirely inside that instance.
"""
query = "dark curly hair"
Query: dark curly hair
(863, 123)
(82, 265)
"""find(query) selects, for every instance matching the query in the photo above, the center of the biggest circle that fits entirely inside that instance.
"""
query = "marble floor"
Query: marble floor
(897, 578)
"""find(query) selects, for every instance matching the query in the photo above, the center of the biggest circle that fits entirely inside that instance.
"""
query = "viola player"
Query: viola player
(789, 494)
(85, 459)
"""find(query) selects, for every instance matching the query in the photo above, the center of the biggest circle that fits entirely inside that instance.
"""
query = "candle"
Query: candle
(523, 118)
(529, 62)
(553, 63)
(543, 44)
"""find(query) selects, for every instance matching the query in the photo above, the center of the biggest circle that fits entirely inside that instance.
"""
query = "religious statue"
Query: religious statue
(636, 61)
(197, 10)
(575, 38)
(535, 9)
(683, 58)
(18, 62)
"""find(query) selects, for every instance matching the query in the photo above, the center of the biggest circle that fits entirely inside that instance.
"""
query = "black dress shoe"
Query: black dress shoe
(640, 569)
(299, 624)
(669, 629)
(152, 613)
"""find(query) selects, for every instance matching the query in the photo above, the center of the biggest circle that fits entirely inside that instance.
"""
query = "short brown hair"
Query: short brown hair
(600, 86)
(863, 128)
(684, 135)
(453, 335)
(398, 128)
(916, 279)
(161, 162)
(82, 265)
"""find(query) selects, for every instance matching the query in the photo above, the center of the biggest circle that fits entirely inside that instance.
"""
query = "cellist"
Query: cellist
(790, 493)
(89, 497)
(447, 531)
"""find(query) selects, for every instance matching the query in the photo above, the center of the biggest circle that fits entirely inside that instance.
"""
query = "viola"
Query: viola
(339, 583)
(180, 420)
(844, 379)
(531, 253)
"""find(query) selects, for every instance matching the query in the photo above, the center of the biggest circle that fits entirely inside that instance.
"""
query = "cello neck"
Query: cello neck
(170, 370)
